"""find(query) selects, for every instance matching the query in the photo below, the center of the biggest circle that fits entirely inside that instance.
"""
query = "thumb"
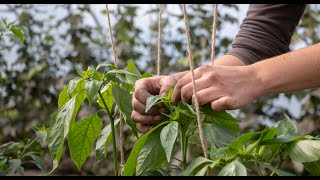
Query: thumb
(221, 104)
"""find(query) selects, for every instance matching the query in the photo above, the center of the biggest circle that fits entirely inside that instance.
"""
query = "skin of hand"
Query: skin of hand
(225, 87)
(232, 87)
(143, 89)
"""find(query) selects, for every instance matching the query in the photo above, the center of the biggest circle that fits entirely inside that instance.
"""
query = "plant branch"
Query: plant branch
(114, 143)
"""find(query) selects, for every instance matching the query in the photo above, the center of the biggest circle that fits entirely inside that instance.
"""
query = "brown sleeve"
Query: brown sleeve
(266, 31)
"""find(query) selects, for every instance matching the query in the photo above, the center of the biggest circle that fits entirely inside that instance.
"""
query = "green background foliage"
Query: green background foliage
(39, 53)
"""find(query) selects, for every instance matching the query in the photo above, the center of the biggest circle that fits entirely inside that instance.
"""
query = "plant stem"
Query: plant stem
(114, 143)
(258, 168)
(184, 149)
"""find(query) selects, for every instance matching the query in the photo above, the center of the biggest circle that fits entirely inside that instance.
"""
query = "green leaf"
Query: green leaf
(168, 137)
(217, 135)
(2, 173)
(124, 101)
(92, 88)
(146, 75)
(106, 93)
(103, 142)
(60, 124)
(222, 118)
(131, 164)
(186, 109)
(18, 33)
(14, 165)
(41, 137)
(80, 71)
(120, 71)
(81, 138)
(152, 155)
(313, 167)
(225, 153)
(286, 127)
(169, 95)
(198, 163)
(282, 173)
(103, 65)
(59, 127)
(63, 96)
(151, 101)
(202, 171)
(39, 162)
(132, 69)
(238, 143)
(305, 151)
(73, 84)
(235, 168)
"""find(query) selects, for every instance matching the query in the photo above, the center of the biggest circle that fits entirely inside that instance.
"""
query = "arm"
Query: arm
(292, 71)
(233, 87)
(266, 31)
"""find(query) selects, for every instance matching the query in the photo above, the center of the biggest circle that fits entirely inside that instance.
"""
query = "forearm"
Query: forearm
(292, 71)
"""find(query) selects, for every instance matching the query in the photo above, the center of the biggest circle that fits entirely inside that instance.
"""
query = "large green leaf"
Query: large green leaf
(238, 143)
(152, 154)
(305, 151)
(106, 93)
(59, 127)
(124, 101)
(132, 69)
(235, 168)
(131, 164)
(81, 138)
(92, 88)
(151, 101)
(313, 167)
(63, 96)
(103, 142)
(198, 163)
(217, 135)
(287, 127)
(14, 164)
(168, 137)
(39, 162)
(222, 118)
(61, 122)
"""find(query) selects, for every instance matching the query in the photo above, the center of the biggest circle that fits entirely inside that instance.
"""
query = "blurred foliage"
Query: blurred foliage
(59, 38)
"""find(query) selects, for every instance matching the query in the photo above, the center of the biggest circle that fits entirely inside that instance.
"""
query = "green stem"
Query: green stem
(258, 168)
(114, 144)
(184, 141)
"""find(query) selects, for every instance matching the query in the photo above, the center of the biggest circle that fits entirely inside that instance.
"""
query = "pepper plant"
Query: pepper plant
(230, 153)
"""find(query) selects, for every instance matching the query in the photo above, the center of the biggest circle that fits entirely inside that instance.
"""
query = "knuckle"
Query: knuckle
(185, 93)
(205, 67)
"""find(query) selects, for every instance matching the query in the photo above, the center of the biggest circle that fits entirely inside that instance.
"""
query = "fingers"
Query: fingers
(224, 103)
(166, 84)
(207, 95)
(139, 107)
(144, 119)
(187, 90)
(143, 128)
(176, 95)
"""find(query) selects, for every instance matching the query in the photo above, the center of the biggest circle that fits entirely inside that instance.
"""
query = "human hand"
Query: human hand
(143, 89)
(225, 87)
